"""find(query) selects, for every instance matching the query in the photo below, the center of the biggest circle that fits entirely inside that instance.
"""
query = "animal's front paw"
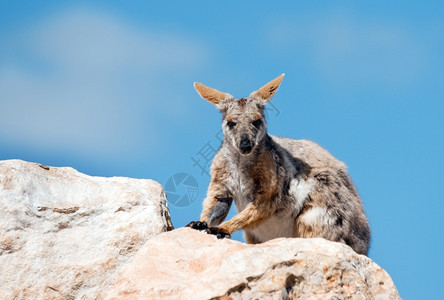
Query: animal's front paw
(198, 225)
(219, 232)
(203, 226)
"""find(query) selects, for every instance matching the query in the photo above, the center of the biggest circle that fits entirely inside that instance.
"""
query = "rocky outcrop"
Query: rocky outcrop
(65, 235)
(188, 264)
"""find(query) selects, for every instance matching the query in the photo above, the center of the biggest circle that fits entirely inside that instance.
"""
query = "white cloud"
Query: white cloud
(71, 81)
(100, 42)
(351, 51)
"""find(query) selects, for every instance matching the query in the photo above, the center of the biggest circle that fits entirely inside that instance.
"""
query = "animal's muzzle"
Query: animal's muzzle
(245, 145)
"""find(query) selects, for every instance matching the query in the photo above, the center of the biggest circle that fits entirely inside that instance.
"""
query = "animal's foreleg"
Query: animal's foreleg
(255, 213)
(216, 205)
(216, 210)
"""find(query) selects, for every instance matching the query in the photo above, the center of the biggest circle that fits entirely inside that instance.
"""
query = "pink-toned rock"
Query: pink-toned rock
(64, 235)
(187, 264)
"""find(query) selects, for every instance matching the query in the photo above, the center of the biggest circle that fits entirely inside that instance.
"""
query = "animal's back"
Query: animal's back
(309, 152)
(333, 209)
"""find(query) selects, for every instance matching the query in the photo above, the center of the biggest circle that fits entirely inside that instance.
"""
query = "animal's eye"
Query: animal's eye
(257, 123)
(231, 124)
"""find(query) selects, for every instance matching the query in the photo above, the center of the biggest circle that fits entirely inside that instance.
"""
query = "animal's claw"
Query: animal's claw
(198, 225)
(220, 233)
(203, 226)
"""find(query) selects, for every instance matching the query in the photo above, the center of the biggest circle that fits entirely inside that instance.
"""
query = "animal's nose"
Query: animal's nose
(245, 144)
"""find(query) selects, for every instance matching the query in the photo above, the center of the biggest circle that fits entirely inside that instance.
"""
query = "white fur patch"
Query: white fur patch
(241, 189)
(276, 226)
(316, 216)
(300, 189)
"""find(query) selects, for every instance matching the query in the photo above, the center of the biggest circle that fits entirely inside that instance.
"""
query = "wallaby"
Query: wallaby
(281, 187)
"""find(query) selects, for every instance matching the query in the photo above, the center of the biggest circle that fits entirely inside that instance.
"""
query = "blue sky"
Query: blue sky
(106, 88)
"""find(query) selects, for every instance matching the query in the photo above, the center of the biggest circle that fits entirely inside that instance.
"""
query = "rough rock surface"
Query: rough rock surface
(188, 264)
(65, 235)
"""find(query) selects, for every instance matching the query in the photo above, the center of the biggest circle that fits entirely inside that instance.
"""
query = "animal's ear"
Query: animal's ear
(211, 95)
(267, 91)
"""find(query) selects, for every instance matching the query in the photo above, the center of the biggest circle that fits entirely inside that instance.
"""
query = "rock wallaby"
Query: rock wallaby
(281, 187)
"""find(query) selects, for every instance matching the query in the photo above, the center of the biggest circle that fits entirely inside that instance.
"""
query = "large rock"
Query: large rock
(65, 235)
(187, 264)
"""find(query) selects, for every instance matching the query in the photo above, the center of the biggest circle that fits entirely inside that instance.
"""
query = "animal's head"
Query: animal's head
(243, 122)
